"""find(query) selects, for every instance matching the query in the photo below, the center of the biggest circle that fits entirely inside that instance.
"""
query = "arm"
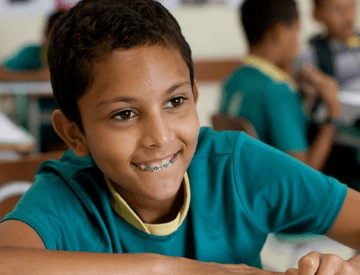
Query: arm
(345, 230)
(42, 74)
(319, 149)
(326, 87)
(23, 252)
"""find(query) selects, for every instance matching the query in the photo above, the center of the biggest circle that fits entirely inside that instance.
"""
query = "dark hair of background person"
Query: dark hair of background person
(259, 16)
(92, 29)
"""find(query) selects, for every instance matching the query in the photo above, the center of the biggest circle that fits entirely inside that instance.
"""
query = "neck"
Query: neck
(152, 211)
(269, 54)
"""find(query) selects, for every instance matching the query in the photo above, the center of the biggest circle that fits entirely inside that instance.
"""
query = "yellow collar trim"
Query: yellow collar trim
(353, 42)
(270, 70)
(124, 210)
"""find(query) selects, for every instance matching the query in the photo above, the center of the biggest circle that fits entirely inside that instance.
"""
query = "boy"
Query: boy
(337, 51)
(262, 91)
(143, 188)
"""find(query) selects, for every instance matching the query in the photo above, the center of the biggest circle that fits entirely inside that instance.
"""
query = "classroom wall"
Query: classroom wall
(213, 32)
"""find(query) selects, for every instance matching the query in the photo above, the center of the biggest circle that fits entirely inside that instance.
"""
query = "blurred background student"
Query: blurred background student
(336, 50)
(263, 91)
(30, 64)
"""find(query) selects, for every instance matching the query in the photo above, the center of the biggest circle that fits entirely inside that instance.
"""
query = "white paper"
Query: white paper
(10, 133)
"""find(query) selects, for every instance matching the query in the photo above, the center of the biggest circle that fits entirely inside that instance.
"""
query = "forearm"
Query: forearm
(321, 147)
(19, 261)
(39, 261)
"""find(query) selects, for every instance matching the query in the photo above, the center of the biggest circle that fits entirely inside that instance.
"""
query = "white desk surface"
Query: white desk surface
(350, 98)
(28, 88)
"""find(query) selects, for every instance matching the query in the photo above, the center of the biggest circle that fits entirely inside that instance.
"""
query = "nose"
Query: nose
(157, 130)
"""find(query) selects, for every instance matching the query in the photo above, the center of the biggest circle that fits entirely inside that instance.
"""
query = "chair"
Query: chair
(223, 122)
(16, 177)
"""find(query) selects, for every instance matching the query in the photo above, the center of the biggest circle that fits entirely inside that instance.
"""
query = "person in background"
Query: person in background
(336, 51)
(30, 64)
(263, 91)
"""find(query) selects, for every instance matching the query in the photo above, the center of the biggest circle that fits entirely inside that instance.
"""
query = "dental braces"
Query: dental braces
(157, 167)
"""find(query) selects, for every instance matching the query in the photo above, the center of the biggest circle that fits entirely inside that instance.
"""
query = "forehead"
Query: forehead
(142, 68)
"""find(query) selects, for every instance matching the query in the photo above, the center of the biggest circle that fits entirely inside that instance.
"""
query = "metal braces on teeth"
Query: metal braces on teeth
(157, 167)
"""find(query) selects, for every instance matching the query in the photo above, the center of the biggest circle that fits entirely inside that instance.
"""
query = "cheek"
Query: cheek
(189, 129)
(111, 145)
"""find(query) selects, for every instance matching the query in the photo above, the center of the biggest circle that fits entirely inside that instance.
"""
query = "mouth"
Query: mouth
(158, 165)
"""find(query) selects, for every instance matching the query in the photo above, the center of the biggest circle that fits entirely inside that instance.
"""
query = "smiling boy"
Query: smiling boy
(144, 188)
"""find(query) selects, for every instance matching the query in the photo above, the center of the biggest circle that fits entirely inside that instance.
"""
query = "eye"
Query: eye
(124, 115)
(176, 102)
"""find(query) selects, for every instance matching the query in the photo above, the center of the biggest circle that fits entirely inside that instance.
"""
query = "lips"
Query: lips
(157, 165)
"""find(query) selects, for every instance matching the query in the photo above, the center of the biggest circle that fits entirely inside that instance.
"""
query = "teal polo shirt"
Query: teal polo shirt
(264, 95)
(241, 190)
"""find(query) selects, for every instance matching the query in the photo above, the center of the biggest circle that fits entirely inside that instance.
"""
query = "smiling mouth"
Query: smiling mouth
(157, 166)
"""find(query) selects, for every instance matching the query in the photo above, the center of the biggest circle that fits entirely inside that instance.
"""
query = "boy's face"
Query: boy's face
(338, 16)
(140, 113)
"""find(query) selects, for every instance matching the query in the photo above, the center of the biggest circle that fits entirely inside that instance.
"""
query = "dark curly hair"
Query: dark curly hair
(259, 16)
(93, 28)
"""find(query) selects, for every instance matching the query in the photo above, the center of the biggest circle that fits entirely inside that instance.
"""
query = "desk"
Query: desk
(34, 91)
(350, 112)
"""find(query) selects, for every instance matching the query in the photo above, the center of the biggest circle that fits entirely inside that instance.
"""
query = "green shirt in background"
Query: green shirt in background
(264, 95)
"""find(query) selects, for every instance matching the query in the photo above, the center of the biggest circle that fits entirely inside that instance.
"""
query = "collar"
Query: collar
(274, 72)
(351, 43)
(124, 210)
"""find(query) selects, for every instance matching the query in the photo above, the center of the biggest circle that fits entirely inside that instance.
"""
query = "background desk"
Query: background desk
(350, 112)
(34, 91)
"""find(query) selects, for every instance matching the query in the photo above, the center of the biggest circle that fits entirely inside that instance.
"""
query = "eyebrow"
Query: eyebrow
(132, 99)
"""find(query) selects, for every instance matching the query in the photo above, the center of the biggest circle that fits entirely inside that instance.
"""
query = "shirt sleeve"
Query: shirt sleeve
(281, 194)
(285, 120)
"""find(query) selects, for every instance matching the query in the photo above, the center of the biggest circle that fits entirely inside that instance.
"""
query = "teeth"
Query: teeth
(157, 167)
(165, 164)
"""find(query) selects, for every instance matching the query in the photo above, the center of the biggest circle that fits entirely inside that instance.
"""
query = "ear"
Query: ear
(70, 133)
(196, 91)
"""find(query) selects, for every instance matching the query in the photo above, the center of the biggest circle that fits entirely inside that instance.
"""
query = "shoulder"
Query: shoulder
(214, 144)
(247, 79)
(67, 192)
(30, 50)
(70, 176)
(244, 73)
